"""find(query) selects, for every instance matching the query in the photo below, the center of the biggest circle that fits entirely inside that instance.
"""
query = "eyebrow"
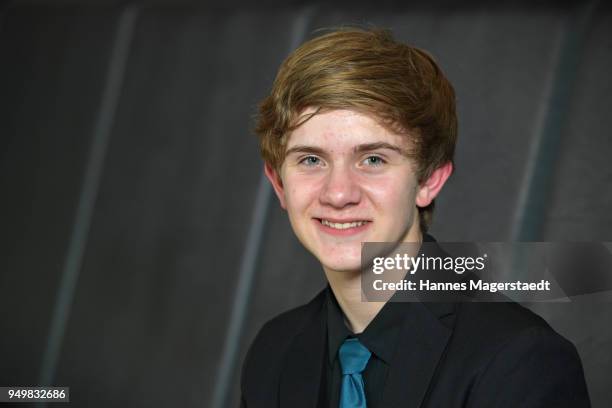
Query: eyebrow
(357, 149)
(304, 149)
(376, 146)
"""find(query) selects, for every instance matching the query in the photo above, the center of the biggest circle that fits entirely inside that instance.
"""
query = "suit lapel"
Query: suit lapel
(423, 339)
(301, 375)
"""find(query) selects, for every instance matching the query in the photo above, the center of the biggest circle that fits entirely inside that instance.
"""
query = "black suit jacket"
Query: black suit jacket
(449, 355)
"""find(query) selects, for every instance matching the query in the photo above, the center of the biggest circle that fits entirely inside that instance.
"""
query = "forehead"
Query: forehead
(342, 129)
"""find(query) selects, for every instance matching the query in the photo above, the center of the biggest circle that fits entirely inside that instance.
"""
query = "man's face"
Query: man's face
(347, 180)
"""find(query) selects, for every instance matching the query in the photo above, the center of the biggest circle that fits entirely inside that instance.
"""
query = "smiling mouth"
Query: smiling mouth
(342, 225)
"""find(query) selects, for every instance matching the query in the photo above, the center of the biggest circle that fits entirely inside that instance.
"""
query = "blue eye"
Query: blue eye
(310, 161)
(374, 161)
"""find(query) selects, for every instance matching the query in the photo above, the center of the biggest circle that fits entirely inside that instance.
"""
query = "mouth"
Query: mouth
(342, 227)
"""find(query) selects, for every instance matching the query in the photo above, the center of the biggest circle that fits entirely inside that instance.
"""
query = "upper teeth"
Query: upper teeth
(345, 225)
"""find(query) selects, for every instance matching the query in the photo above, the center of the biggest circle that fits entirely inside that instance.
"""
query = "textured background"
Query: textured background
(140, 251)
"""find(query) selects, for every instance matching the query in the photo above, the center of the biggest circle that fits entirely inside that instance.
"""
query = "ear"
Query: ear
(277, 184)
(429, 189)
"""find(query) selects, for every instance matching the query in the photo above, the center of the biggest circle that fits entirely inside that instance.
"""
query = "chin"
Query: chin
(343, 265)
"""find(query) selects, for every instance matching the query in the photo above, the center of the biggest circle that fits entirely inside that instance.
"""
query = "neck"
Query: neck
(346, 286)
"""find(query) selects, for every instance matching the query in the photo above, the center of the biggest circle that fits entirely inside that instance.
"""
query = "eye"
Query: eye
(311, 161)
(374, 161)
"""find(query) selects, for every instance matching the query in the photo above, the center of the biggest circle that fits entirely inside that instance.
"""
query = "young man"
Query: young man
(358, 136)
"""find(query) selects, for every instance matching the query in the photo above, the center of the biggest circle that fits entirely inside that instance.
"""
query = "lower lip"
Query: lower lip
(343, 232)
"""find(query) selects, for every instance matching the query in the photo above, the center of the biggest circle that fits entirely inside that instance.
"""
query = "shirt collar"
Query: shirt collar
(337, 331)
(380, 336)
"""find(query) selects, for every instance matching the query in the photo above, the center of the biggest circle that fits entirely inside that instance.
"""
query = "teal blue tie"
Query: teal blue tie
(354, 357)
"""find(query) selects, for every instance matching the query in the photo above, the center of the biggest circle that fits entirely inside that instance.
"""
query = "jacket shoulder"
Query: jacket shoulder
(267, 351)
(498, 320)
(512, 357)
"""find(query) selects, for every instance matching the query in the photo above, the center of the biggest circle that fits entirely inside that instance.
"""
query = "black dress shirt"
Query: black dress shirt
(380, 337)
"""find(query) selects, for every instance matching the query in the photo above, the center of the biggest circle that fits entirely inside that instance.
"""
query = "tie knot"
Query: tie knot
(354, 356)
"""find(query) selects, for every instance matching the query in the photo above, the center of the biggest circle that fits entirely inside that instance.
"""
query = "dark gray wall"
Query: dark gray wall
(140, 250)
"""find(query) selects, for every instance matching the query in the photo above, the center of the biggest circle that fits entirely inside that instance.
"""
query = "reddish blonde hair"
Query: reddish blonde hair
(364, 70)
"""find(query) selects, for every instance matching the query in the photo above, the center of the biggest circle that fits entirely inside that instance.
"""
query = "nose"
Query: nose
(340, 188)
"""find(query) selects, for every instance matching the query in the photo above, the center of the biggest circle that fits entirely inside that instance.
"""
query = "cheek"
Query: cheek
(299, 194)
(394, 196)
